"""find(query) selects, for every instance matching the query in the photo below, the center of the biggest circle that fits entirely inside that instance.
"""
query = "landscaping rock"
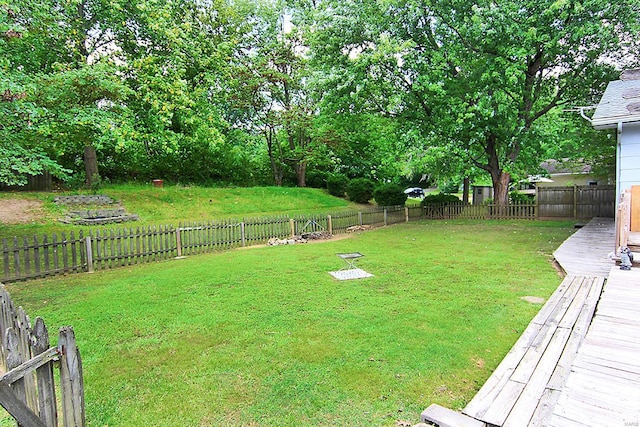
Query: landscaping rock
(98, 216)
(316, 235)
(356, 228)
(94, 199)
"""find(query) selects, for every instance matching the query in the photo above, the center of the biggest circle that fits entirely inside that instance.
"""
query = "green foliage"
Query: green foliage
(389, 195)
(360, 190)
(481, 78)
(17, 163)
(337, 184)
(439, 198)
(451, 187)
(254, 92)
(517, 197)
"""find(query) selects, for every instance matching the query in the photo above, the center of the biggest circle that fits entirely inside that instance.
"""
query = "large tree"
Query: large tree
(477, 75)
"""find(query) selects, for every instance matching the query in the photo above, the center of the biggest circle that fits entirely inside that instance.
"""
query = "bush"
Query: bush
(450, 187)
(316, 179)
(360, 190)
(432, 199)
(515, 197)
(337, 184)
(389, 195)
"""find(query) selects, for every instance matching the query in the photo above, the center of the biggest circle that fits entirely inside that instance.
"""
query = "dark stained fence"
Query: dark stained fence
(490, 211)
(40, 182)
(28, 258)
(110, 249)
(584, 201)
(301, 224)
(340, 221)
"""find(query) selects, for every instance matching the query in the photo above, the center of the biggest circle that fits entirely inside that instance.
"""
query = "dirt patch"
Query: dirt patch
(19, 211)
(533, 300)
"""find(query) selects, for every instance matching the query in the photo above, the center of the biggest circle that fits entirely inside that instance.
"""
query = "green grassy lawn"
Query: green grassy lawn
(172, 204)
(266, 337)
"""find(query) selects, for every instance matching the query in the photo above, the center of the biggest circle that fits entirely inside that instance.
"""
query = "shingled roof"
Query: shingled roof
(620, 102)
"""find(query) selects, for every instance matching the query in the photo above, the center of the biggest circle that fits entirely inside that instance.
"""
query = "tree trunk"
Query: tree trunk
(270, 137)
(499, 178)
(465, 190)
(501, 188)
(90, 165)
(301, 173)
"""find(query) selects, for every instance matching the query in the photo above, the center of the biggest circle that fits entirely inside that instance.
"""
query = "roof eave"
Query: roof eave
(612, 122)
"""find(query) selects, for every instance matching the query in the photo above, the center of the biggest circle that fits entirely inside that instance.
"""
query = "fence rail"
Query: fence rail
(578, 201)
(27, 381)
(28, 258)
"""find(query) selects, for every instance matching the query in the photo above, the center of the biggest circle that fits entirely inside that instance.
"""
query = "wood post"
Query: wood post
(89, 255)
(292, 226)
(384, 215)
(178, 243)
(575, 202)
(329, 224)
(360, 218)
(243, 235)
(71, 379)
(406, 214)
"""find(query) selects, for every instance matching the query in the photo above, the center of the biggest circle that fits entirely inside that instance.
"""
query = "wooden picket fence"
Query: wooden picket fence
(483, 212)
(28, 258)
(27, 380)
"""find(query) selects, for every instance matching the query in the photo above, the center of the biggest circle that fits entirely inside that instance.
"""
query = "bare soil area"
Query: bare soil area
(20, 211)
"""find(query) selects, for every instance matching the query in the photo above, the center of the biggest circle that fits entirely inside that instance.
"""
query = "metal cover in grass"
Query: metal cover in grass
(353, 273)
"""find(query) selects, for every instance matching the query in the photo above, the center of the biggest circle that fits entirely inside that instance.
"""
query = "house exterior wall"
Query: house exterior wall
(568, 179)
(629, 157)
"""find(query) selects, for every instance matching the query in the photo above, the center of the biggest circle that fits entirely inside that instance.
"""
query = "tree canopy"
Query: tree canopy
(286, 92)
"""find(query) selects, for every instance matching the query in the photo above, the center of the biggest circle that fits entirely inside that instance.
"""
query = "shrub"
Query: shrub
(432, 199)
(337, 184)
(389, 195)
(360, 190)
(450, 187)
(516, 197)
(316, 179)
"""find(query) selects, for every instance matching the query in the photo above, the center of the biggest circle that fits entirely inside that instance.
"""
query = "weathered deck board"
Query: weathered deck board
(586, 252)
(603, 387)
(540, 361)
(571, 367)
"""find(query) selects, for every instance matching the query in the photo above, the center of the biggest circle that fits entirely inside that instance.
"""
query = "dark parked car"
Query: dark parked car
(415, 192)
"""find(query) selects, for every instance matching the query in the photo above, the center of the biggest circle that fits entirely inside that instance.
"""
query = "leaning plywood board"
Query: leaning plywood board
(635, 208)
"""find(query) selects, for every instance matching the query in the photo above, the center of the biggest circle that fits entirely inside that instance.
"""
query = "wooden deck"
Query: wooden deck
(578, 361)
(586, 252)
(527, 382)
(603, 387)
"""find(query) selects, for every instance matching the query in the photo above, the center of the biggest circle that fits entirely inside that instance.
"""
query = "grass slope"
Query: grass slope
(266, 337)
(172, 204)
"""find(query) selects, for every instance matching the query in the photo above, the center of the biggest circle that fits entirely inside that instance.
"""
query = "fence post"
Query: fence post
(243, 235)
(406, 214)
(329, 224)
(46, 388)
(575, 202)
(384, 215)
(87, 241)
(71, 379)
(360, 218)
(292, 226)
(178, 243)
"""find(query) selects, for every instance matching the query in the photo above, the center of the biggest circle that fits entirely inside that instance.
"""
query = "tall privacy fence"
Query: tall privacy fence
(27, 378)
(32, 257)
(579, 201)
